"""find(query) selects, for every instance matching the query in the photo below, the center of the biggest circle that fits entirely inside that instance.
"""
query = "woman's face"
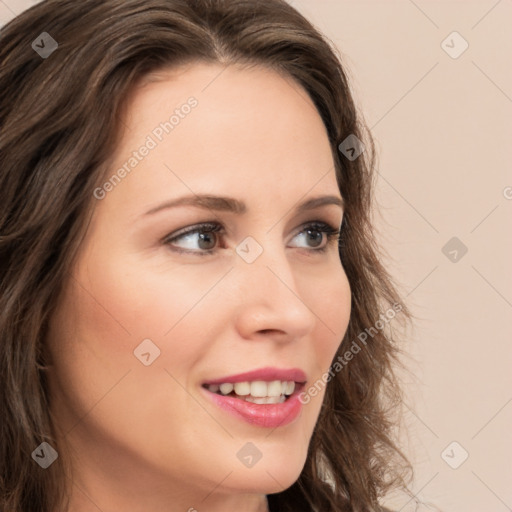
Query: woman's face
(148, 317)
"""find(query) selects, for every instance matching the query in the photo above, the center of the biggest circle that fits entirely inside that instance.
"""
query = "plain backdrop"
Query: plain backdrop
(434, 83)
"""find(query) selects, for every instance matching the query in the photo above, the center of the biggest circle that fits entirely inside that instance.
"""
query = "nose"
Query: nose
(270, 301)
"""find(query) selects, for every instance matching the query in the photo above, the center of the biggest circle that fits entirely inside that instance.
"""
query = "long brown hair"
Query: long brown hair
(60, 118)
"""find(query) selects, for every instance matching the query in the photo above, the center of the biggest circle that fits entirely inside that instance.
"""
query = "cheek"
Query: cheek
(124, 303)
(112, 305)
(146, 299)
(334, 311)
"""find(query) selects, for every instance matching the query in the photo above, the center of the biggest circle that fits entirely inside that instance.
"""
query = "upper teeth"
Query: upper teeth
(257, 388)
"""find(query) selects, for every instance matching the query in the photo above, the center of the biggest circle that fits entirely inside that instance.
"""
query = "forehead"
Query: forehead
(246, 126)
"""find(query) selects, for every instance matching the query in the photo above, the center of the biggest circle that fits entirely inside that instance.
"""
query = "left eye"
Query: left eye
(314, 232)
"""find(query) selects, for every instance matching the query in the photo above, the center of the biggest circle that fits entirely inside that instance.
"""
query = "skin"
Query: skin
(146, 437)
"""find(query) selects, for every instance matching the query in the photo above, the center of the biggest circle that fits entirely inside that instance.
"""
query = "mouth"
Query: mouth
(268, 397)
(259, 391)
(279, 405)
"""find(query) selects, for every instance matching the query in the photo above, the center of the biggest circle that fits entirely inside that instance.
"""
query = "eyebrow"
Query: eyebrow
(230, 204)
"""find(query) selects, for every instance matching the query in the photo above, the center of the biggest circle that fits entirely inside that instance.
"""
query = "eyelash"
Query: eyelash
(333, 235)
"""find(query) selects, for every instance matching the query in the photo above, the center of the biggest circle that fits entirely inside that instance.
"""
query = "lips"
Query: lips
(280, 408)
(268, 415)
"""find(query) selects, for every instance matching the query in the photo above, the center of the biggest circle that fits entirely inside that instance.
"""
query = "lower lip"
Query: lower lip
(262, 415)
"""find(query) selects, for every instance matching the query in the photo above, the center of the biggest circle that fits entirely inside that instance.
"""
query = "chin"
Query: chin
(269, 478)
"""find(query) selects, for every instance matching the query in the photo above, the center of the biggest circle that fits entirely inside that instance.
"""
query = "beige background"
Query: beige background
(443, 129)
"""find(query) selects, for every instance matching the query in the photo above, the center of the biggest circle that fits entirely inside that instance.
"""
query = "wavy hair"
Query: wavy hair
(60, 120)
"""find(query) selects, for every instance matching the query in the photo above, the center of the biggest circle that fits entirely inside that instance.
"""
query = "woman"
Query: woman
(194, 315)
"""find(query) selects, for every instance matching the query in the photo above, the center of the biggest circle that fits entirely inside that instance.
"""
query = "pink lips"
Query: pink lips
(262, 415)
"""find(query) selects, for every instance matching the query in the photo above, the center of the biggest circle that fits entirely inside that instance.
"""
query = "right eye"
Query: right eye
(208, 233)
